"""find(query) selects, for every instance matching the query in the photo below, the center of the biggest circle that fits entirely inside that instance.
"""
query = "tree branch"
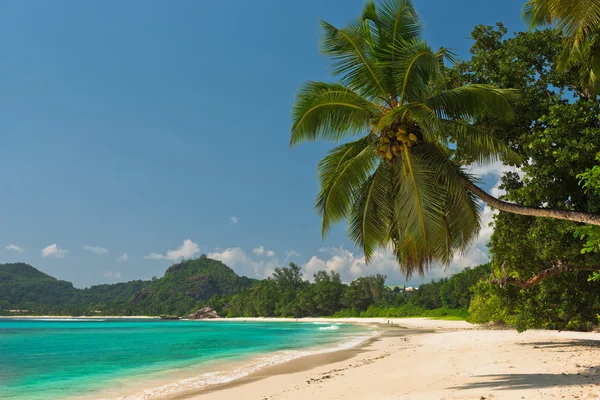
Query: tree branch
(542, 275)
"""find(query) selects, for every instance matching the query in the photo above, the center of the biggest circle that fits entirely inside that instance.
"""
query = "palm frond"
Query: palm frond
(400, 22)
(462, 220)
(371, 212)
(577, 19)
(579, 22)
(416, 65)
(419, 204)
(352, 60)
(588, 62)
(329, 111)
(478, 143)
(343, 171)
(470, 101)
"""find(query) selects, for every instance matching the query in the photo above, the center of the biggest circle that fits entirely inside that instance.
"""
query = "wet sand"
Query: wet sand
(445, 360)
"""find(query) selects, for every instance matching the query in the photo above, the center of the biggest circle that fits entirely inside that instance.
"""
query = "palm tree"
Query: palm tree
(398, 181)
(579, 21)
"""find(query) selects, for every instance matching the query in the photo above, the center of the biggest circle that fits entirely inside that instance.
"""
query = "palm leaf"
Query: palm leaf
(329, 111)
(341, 173)
(419, 204)
(470, 101)
(462, 221)
(399, 20)
(349, 48)
(371, 212)
(478, 143)
(414, 69)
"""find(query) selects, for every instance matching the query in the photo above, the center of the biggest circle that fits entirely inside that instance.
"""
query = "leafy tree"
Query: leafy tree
(363, 292)
(401, 185)
(328, 290)
(428, 295)
(456, 292)
(558, 133)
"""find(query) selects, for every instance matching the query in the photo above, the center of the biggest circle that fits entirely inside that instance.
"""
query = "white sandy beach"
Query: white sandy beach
(458, 361)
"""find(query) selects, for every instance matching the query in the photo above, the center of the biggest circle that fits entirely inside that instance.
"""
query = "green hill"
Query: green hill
(22, 286)
(185, 287)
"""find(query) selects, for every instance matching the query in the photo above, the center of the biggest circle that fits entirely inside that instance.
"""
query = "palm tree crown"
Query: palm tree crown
(395, 179)
(579, 21)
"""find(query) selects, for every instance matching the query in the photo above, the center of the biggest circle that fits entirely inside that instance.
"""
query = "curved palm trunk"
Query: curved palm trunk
(576, 216)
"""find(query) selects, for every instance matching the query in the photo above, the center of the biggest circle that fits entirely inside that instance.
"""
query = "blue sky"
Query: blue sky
(131, 127)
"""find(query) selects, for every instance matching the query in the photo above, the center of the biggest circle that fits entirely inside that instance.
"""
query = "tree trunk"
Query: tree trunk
(542, 275)
(576, 216)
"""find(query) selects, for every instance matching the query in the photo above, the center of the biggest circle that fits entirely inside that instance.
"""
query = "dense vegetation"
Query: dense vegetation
(192, 284)
(529, 101)
(541, 273)
(184, 288)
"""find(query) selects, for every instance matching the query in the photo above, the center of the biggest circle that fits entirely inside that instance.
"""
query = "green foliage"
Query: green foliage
(557, 131)
(550, 305)
(185, 287)
(457, 291)
(399, 185)
(404, 311)
(590, 182)
(192, 284)
(25, 288)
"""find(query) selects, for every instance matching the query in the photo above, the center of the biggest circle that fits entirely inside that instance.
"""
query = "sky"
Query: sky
(137, 133)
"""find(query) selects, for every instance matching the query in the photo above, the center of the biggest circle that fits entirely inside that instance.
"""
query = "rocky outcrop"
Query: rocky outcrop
(141, 295)
(204, 313)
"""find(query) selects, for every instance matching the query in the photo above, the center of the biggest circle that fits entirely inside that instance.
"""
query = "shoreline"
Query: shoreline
(218, 375)
(434, 359)
(300, 364)
(422, 359)
(304, 360)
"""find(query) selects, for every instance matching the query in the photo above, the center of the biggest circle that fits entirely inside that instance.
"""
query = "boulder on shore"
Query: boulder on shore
(204, 313)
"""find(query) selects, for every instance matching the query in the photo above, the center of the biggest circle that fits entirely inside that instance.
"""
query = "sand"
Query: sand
(457, 361)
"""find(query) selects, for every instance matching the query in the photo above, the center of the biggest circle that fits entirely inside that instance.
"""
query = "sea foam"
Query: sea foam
(221, 377)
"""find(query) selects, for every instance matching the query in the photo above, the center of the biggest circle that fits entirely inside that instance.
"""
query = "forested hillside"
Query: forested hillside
(192, 284)
(184, 287)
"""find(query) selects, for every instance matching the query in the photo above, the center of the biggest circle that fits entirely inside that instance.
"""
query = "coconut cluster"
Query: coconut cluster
(392, 144)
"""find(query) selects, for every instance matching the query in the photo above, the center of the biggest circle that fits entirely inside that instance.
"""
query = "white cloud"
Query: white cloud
(112, 275)
(237, 259)
(123, 257)
(54, 251)
(14, 247)
(234, 220)
(350, 265)
(494, 169)
(291, 253)
(96, 249)
(187, 250)
(259, 250)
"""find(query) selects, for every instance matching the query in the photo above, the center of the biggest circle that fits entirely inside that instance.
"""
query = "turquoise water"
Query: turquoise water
(49, 359)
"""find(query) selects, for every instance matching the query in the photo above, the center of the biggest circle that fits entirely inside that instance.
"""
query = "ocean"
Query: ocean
(109, 358)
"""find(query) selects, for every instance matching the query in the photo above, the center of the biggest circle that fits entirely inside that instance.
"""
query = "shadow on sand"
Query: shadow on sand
(585, 376)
